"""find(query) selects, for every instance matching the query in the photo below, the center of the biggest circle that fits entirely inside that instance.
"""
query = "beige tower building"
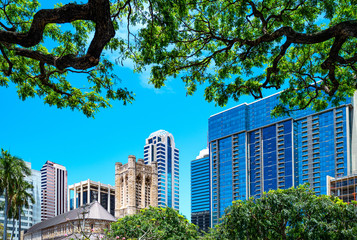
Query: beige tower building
(135, 186)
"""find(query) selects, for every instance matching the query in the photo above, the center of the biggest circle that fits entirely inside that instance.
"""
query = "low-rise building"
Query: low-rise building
(344, 188)
(89, 220)
(88, 191)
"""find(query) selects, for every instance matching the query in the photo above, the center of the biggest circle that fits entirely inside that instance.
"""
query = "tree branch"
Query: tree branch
(9, 70)
(97, 11)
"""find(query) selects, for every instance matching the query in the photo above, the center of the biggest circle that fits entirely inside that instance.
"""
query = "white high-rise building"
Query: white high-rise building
(160, 147)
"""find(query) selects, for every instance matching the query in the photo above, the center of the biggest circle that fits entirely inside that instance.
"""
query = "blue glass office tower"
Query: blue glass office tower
(251, 152)
(160, 147)
(200, 191)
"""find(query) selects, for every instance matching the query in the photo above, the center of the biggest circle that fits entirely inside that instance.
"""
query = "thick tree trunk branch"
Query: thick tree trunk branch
(274, 69)
(97, 11)
(69, 60)
(340, 32)
(9, 70)
(347, 29)
(67, 13)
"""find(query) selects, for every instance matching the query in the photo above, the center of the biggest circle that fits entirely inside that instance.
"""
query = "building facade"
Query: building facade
(200, 191)
(88, 191)
(35, 180)
(344, 188)
(136, 186)
(91, 219)
(251, 152)
(160, 147)
(31, 215)
(53, 190)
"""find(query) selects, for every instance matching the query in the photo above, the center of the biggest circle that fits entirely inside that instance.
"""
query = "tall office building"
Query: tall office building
(88, 191)
(200, 191)
(160, 147)
(32, 215)
(35, 180)
(251, 152)
(53, 190)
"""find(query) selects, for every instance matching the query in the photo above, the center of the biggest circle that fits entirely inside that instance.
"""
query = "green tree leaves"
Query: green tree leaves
(154, 223)
(233, 48)
(43, 58)
(295, 213)
(237, 48)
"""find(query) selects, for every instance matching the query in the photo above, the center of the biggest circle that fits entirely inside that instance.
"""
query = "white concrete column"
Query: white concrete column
(99, 184)
(81, 193)
(75, 197)
(88, 192)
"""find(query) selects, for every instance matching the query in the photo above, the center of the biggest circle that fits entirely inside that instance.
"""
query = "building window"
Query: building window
(147, 192)
(138, 190)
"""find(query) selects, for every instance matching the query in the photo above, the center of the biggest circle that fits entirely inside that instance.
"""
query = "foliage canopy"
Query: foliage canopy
(232, 47)
(294, 213)
(243, 47)
(154, 223)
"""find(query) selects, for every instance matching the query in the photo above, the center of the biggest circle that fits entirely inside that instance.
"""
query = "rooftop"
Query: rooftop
(203, 153)
(93, 211)
(159, 133)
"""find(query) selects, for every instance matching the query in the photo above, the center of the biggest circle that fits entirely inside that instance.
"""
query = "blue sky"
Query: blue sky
(89, 148)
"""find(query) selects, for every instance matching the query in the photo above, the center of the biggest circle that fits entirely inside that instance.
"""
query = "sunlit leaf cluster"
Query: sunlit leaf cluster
(294, 213)
(154, 223)
(232, 48)
(236, 48)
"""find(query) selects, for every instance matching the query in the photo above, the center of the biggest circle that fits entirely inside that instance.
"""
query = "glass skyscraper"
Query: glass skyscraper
(200, 191)
(160, 147)
(251, 152)
(32, 215)
(35, 180)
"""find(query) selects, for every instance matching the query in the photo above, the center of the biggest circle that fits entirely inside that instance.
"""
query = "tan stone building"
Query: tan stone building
(136, 186)
(90, 221)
